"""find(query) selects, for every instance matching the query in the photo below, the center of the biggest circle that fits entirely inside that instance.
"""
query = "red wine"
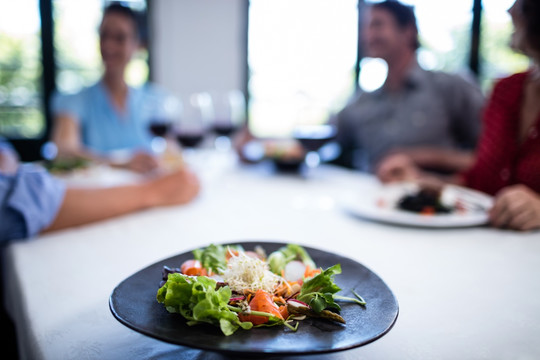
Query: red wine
(159, 128)
(224, 128)
(191, 139)
(311, 144)
(314, 137)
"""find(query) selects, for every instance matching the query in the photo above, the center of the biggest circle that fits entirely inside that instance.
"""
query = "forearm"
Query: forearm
(440, 159)
(428, 177)
(82, 206)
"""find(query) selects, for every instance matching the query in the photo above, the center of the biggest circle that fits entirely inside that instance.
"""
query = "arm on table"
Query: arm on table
(67, 137)
(409, 164)
(82, 206)
(427, 157)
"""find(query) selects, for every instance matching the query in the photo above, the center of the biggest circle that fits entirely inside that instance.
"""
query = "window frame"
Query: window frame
(474, 61)
(30, 149)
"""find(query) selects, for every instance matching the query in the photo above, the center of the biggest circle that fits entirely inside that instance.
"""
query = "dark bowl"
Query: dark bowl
(288, 165)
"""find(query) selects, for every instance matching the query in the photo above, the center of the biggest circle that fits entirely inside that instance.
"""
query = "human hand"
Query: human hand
(142, 163)
(397, 167)
(516, 207)
(178, 187)
(9, 161)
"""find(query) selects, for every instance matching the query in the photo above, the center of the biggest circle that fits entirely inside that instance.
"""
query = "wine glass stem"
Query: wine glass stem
(223, 143)
(158, 144)
(313, 159)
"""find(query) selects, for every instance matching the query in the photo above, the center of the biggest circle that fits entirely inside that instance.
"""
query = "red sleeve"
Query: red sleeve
(497, 147)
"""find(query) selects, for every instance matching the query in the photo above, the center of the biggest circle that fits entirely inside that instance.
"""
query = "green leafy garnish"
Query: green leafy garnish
(318, 292)
(60, 165)
(360, 300)
(198, 300)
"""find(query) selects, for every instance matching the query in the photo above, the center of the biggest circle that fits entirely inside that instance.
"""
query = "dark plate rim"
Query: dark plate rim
(264, 352)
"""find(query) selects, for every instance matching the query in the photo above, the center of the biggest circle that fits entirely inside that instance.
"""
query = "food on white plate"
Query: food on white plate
(424, 202)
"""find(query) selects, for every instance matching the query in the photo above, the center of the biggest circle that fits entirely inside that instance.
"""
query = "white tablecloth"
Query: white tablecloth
(469, 293)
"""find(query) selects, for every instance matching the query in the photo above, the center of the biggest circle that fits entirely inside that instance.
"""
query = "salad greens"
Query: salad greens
(213, 257)
(318, 292)
(198, 300)
(281, 257)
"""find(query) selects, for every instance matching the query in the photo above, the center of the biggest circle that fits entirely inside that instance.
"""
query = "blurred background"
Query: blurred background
(295, 61)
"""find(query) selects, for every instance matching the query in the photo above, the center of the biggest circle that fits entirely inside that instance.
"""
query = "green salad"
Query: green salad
(231, 288)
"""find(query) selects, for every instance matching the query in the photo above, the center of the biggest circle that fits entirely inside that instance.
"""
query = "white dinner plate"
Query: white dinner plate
(380, 205)
(99, 176)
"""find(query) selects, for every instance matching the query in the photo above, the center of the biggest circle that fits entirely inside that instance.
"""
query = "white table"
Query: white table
(463, 293)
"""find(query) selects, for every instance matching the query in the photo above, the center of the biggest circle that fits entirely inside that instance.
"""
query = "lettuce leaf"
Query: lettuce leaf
(198, 300)
(213, 257)
(318, 292)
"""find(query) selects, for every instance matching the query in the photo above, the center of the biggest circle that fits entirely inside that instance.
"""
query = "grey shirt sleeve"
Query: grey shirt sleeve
(345, 138)
(465, 102)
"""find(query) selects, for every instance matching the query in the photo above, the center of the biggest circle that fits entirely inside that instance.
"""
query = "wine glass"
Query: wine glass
(192, 128)
(165, 110)
(229, 116)
(313, 138)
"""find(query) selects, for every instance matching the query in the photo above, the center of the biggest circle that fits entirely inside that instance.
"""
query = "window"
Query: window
(302, 57)
(21, 100)
(31, 65)
(77, 53)
(498, 59)
(445, 32)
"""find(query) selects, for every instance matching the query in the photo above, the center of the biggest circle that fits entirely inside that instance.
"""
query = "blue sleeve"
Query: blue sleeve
(67, 104)
(29, 202)
(5, 146)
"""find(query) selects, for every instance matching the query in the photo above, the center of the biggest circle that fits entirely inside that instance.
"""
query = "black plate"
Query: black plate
(133, 302)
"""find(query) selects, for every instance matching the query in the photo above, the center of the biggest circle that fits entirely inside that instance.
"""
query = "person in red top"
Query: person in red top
(509, 150)
(507, 163)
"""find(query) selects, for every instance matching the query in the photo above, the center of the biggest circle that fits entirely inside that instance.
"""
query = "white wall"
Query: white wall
(198, 45)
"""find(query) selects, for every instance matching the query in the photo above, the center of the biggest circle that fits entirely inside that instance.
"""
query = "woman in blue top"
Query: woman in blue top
(110, 115)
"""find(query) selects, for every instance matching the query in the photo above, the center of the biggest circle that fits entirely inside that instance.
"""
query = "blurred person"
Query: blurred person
(109, 115)
(433, 117)
(507, 161)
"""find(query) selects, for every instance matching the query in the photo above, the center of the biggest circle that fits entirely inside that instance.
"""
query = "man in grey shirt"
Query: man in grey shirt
(433, 117)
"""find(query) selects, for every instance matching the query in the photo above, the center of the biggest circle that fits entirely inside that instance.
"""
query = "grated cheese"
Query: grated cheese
(248, 273)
